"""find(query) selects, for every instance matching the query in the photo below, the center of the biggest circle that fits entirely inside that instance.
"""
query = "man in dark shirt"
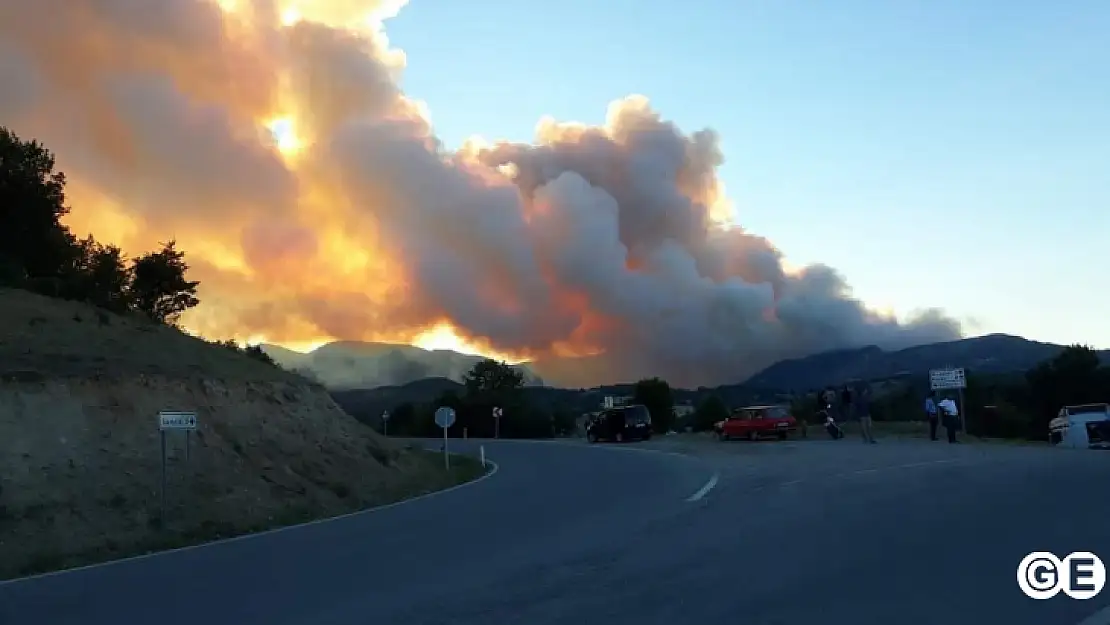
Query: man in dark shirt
(862, 405)
(846, 403)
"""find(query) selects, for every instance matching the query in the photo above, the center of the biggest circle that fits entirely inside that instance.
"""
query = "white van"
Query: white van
(1081, 427)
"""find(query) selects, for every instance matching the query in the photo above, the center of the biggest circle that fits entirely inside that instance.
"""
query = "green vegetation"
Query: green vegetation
(488, 385)
(252, 351)
(525, 412)
(656, 396)
(997, 406)
(1010, 406)
(711, 410)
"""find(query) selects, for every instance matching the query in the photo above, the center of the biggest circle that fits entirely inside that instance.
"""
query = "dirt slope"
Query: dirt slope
(80, 451)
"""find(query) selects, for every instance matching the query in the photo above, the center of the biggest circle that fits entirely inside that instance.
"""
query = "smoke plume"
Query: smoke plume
(614, 242)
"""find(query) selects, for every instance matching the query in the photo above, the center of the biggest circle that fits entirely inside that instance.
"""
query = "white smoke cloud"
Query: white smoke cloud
(603, 241)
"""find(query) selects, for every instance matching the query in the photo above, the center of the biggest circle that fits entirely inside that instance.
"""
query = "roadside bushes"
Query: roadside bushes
(251, 351)
(1002, 405)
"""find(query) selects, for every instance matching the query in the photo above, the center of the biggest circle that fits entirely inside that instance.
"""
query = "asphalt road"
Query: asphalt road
(797, 533)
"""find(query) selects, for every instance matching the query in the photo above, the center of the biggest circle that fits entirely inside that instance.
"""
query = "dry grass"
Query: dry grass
(57, 338)
(80, 458)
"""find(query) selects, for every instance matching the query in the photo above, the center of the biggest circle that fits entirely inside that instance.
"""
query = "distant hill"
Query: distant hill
(994, 353)
(361, 365)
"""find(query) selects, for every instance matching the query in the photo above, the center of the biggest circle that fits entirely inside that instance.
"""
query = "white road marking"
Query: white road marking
(1102, 617)
(923, 464)
(488, 474)
(910, 465)
(849, 474)
(704, 490)
(604, 446)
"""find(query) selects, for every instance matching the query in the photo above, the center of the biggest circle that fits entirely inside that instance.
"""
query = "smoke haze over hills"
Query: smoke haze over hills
(615, 242)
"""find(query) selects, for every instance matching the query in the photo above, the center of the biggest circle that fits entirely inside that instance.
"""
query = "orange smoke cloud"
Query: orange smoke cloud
(273, 142)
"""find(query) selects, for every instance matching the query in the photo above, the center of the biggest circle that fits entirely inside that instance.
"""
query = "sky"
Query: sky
(943, 153)
(694, 194)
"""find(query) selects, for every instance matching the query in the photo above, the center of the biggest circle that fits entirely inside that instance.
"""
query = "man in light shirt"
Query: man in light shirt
(932, 413)
(951, 418)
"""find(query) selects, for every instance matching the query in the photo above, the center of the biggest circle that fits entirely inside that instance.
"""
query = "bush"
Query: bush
(250, 351)
(709, 412)
(655, 395)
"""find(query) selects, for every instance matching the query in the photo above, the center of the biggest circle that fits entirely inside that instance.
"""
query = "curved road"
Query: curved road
(799, 533)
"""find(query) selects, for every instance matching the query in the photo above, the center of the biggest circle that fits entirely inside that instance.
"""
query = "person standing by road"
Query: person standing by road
(828, 399)
(862, 405)
(951, 418)
(846, 403)
(931, 412)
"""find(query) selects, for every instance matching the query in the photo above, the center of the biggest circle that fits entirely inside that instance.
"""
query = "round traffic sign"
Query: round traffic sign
(445, 417)
(385, 415)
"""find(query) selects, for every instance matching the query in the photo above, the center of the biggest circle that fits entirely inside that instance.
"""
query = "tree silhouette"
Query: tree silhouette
(711, 410)
(1072, 377)
(159, 288)
(39, 253)
(655, 394)
(492, 377)
(33, 241)
(99, 275)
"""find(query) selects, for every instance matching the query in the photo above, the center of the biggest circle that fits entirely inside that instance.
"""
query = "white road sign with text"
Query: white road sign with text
(940, 379)
(177, 420)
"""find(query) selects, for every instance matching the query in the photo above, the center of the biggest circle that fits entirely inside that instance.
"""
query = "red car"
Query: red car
(754, 422)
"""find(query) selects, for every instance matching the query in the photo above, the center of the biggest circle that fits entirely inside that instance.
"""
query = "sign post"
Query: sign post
(497, 422)
(167, 421)
(950, 378)
(385, 423)
(445, 418)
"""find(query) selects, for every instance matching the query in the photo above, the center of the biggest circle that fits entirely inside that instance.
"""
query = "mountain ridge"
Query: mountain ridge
(995, 354)
(354, 365)
(344, 365)
(991, 353)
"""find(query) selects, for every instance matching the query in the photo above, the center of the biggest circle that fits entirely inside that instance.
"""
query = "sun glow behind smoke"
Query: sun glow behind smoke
(285, 136)
(274, 141)
(444, 336)
(283, 132)
(290, 16)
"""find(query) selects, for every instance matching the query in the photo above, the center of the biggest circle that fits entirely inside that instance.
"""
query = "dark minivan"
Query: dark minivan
(626, 423)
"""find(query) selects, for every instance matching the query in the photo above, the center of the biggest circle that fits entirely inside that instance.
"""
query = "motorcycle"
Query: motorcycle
(831, 426)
